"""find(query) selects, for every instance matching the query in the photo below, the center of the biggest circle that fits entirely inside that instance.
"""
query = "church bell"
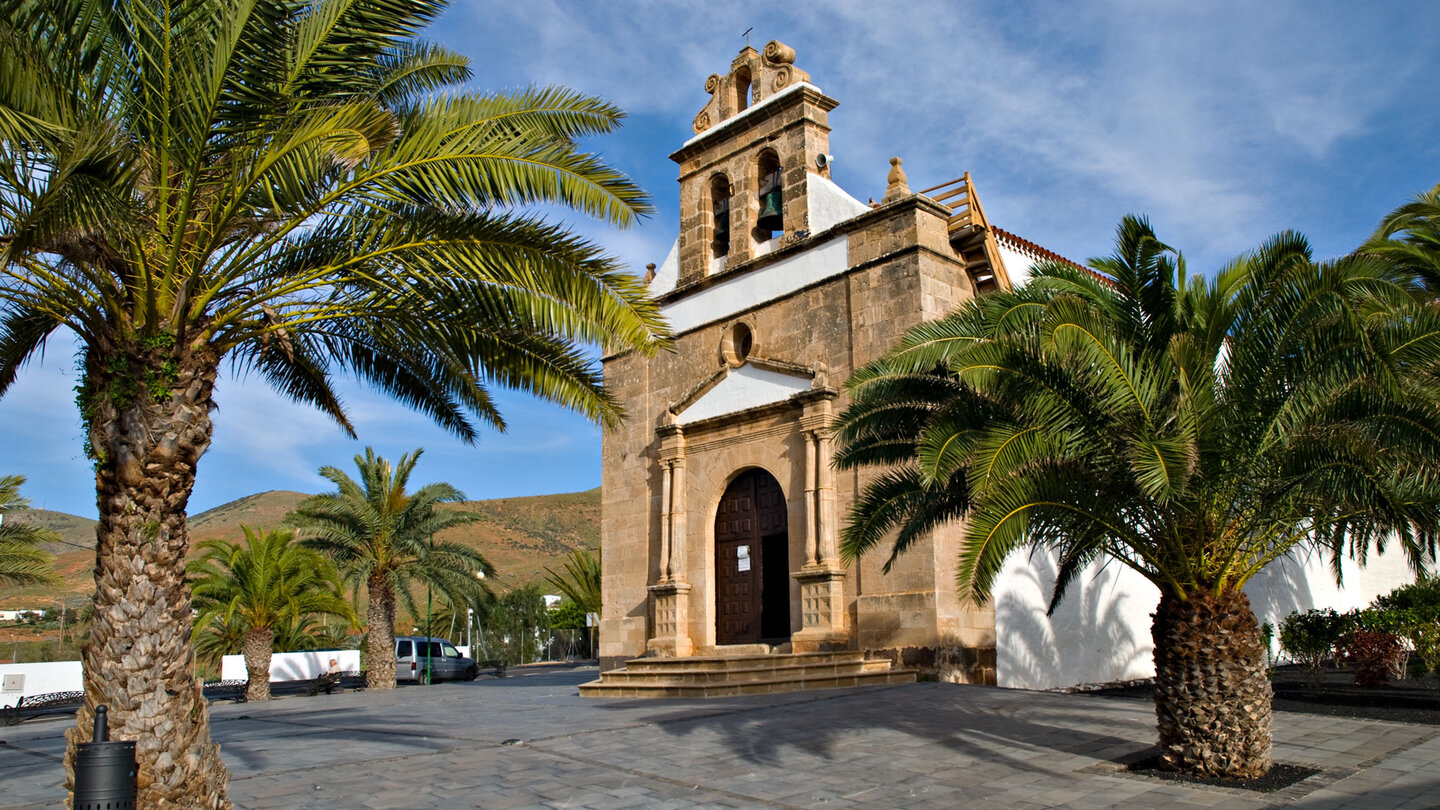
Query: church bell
(722, 227)
(771, 216)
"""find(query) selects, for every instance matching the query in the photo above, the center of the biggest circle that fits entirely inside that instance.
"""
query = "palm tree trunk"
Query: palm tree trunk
(1212, 691)
(257, 663)
(140, 661)
(380, 635)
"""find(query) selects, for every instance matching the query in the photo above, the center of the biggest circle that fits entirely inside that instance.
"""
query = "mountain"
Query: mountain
(519, 536)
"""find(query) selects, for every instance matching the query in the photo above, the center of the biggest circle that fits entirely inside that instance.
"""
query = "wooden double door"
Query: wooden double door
(752, 562)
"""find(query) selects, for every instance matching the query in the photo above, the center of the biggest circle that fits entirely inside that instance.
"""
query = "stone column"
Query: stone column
(822, 580)
(671, 591)
(812, 499)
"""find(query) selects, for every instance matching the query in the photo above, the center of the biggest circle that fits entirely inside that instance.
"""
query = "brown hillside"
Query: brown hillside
(74, 557)
(75, 532)
(520, 536)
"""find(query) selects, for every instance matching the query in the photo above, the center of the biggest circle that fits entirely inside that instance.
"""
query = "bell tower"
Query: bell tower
(743, 175)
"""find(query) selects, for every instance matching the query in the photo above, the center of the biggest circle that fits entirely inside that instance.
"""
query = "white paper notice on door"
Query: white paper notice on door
(743, 553)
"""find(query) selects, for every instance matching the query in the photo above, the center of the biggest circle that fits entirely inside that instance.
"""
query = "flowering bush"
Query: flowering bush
(1377, 655)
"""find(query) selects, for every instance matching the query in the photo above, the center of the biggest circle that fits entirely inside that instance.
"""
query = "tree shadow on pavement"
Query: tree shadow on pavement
(1017, 728)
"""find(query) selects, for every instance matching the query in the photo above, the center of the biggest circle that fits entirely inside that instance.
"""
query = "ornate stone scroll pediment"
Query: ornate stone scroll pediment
(754, 76)
(757, 383)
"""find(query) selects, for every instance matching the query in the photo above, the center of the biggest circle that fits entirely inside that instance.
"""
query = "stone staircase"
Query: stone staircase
(728, 676)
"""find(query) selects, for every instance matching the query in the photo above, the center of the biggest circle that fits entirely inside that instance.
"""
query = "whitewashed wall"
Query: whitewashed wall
(732, 295)
(1101, 631)
(40, 679)
(1017, 264)
(294, 666)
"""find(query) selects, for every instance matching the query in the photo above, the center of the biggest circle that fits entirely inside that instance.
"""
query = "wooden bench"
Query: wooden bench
(328, 682)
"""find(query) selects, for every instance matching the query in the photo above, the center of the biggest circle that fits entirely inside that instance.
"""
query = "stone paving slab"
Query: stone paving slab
(530, 741)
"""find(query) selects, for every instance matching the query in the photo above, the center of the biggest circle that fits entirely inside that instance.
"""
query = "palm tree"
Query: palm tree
(218, 637)
(1193, 430)
(383, 538)
(580, 579)
(22, 561)
(267, 587)
(299, 187)
(456, 621)
(580, 583)
(1409, 237)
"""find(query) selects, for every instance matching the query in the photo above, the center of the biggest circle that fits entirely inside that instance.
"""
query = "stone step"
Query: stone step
(759, 672)
(732, 662)
(602, 688)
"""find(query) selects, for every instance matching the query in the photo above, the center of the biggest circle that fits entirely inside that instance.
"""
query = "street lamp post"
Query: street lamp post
(429, 645)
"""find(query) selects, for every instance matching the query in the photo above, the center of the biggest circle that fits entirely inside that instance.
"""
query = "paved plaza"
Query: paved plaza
(529, 741)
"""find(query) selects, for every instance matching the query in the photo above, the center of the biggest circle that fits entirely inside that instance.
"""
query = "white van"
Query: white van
(444, 661)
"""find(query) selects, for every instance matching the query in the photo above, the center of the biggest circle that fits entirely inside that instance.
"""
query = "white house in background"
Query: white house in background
(20, 615)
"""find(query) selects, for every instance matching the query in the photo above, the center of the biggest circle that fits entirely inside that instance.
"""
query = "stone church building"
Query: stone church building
(721, 508)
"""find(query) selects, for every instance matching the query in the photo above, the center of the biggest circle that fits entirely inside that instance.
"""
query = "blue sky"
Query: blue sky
(1223, 122)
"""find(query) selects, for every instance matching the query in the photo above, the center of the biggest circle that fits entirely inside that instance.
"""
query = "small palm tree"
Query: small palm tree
(218, 636)
(452, 621)
(580, 579)
(265, 588)
(383, 538)
(580, 583)
(22, 561)
(1193, 430)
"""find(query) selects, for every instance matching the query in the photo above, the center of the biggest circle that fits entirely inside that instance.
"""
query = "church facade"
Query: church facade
(721, 507)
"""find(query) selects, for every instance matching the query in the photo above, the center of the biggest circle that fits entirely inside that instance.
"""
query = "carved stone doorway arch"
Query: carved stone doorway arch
(752, 566)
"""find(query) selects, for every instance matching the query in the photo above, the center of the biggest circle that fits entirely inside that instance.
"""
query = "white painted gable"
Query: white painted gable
(829, 204)
(1017, 264)
(668, 274)
(743, 388)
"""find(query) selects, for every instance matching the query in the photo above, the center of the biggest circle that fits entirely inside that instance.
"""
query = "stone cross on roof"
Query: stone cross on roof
(753, 77)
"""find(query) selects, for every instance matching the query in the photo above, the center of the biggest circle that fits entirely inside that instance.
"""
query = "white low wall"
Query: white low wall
(28, 680)
(294, 666)
(1101, 630)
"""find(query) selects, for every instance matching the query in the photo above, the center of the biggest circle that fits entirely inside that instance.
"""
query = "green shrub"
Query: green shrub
(1413, 612)
(1422, 597)
(1426, 640)
(1310, 638)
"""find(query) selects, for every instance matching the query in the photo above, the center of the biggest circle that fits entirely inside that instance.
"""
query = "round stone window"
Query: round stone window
(737, 344)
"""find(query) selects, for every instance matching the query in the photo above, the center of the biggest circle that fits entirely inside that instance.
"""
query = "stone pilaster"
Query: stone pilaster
(822, 610)
(671, 593)
(822, 580)
(672, 618)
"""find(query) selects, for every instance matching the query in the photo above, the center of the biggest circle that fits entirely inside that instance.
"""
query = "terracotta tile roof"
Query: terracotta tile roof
(1037, 252)
(1031, 249)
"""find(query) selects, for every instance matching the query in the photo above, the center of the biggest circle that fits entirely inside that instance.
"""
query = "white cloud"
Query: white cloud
(1206, 116)
(1224, 121)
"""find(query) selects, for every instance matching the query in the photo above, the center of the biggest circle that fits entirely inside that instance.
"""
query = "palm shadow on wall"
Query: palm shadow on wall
(1280, 588)
(1089, 638)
